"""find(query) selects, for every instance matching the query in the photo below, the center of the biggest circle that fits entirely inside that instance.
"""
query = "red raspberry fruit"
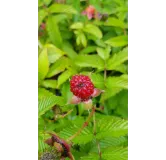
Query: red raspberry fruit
(82, 87)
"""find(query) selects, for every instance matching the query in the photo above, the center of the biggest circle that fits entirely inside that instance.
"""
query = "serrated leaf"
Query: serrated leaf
(84, 137)
(109, 142)
(77, 25)
(53, 31)
(64, 77)
(115, 153)
(88, 49)
(94, 30)
(98, 80)
(117, 82)
(117, 59)
(57, 67)
(91, 156)
(118, 41)
(121, 68)
(93, 61)
(49, 84)
(54, 53)
(62, 8)
(110, 93)
(104, 53)
(46, 103)
(110, 126)
(43, 64)
(111, 21)
(41, 15)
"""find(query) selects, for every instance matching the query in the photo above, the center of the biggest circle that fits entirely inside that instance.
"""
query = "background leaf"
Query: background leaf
(53, 31)
(43, 64)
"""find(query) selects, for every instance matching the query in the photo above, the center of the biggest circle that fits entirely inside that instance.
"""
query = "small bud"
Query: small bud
(88, 104)
(97, 92)
(75, 100)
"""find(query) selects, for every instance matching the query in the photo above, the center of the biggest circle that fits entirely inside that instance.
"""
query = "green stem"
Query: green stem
(94, 132)
(83, 126)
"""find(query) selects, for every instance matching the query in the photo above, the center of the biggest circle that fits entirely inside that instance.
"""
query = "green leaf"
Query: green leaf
(43, 64)
(49, 84)
(77, 25)
(110, 142)
(54, 53)
(64, 77)
(104, 53)
(68, 48)
(117, 82)
(117, 59)
(111, 21)
(98, 80)
(93, 61)
(88, 49)
(121, 68)
(53, 31)
(91, 156)
(115, 153)
(94, 30)
(41, 15)
(118, 41)
(83, 39)
(110, 93)
(62, 8)
(84, 137)
(58, 66)
(110, 126)
(46, 103)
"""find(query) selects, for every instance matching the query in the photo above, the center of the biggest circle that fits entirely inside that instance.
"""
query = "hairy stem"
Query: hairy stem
(94, 132)
(83, 126)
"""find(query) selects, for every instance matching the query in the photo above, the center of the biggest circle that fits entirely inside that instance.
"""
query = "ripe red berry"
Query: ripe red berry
(82, 87)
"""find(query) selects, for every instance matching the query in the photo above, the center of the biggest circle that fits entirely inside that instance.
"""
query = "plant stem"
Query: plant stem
(94, 132)
(83, 126)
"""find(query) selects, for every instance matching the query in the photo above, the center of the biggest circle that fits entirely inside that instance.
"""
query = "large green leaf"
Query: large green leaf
(54, 53)
(93, 61)
(46, 103)
(53, 31)
(49, 83)
(98, 80)
(117, 59)
(62, 8)
(88, 49)
(111, 21)
(118, 41)
(116, 153)
(65, 76)
(41, 15)
(84, 137)
(118, 82)
(94, 30)
(43, 64)
(110, 126)
(68, 48)
(57, 67)
(104, 53)
(77, 25)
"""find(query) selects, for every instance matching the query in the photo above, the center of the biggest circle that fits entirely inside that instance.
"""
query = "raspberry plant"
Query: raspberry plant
(83, 80)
